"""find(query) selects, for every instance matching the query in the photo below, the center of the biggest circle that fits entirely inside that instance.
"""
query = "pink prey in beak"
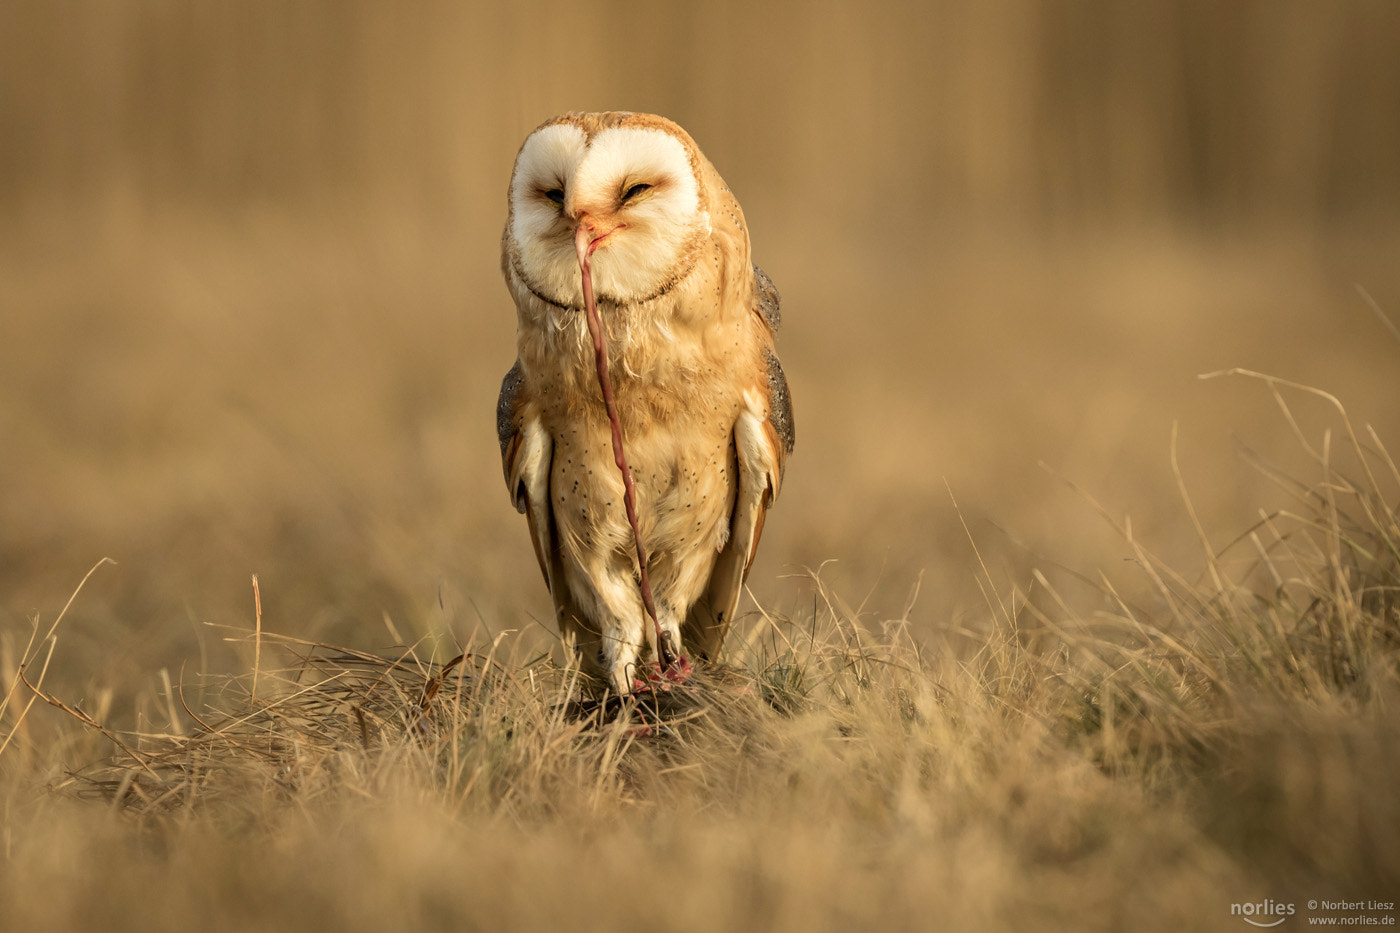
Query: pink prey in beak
(671, 666)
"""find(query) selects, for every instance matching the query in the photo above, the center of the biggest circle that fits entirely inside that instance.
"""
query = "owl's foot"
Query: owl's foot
(667, 652)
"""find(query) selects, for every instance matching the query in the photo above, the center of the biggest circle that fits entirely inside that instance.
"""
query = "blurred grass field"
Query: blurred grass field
(253, 323)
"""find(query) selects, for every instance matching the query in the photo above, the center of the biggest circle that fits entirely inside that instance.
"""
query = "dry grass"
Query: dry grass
(1139, 766)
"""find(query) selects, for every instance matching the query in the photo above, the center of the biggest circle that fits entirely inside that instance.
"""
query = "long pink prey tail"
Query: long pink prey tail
(665, 652)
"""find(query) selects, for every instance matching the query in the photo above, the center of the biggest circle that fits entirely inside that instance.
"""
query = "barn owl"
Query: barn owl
(702, 400)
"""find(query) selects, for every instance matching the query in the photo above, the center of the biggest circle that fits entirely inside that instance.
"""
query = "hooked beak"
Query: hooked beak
(587, 238)
(590, 234)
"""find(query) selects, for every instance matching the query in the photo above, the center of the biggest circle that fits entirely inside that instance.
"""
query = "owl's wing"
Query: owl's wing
(527, 451)
(766, 296)
(763, 437)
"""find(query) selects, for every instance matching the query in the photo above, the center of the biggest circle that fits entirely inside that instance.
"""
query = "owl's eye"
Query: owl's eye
(556, 195)
(635, 190)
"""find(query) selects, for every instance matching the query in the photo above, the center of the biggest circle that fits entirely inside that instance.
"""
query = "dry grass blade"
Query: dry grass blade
(27, 656)
(85, 719)
(1375, 307)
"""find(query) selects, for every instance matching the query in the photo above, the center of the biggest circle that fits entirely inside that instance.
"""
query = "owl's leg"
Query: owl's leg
(608, 593)
(620, 659)
(621, 654)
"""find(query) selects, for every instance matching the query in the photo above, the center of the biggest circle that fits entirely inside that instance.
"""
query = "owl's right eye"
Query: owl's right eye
(556, 195)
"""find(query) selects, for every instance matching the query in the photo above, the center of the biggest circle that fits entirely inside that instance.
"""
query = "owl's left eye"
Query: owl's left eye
(556, 195)
(635, 190)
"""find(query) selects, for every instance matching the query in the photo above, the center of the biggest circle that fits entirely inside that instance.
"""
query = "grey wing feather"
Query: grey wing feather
(505, 405)
(780, 402)
(769, 304)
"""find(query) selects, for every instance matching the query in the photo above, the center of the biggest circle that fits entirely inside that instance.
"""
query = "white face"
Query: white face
(636, 182)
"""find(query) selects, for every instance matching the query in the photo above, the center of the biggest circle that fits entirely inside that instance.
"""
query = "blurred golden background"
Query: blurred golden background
(253, 320)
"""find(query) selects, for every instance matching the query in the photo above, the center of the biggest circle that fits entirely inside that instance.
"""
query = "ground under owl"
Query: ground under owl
(702, 400)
